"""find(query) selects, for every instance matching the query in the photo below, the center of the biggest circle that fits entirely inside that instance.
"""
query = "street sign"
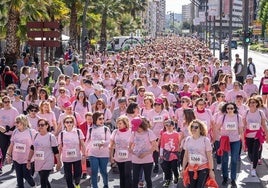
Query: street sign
(213, 8)
(43, 34)
(257, 27)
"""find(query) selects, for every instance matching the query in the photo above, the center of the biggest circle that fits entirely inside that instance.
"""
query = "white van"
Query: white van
(122, 43)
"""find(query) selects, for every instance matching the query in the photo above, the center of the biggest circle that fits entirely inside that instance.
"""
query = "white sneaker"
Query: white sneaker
(218, 167)
(253, 173)
(35, 175)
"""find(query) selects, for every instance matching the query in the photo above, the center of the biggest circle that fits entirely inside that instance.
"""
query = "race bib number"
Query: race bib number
(231, 126)
(39, 155)
(254, 126)
(20, 148)
(158, 119)
(71, 153)
(265, 81)
(195, 159)
(96, 144)
(122, 154)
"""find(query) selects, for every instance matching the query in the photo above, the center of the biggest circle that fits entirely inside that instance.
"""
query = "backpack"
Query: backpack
(8, 79)
(90, 131)
(61, 136)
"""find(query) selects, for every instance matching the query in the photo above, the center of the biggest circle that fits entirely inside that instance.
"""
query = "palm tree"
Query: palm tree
(17, 14)
(108, 9)
(263, 14)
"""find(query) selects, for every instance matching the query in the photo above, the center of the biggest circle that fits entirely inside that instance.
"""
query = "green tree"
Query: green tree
(107, 9)
(263, 14)
(14, 21)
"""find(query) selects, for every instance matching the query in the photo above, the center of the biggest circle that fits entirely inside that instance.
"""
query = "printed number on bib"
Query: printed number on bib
(39, 155)
(158, 119)
(265, 81)
(20, 148)
(195, 159)
(231, 126)
(122, 154)
(254, 126)
(71, 153)
(96, 144)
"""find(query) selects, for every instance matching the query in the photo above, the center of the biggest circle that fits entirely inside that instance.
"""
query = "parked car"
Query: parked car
(233, 44)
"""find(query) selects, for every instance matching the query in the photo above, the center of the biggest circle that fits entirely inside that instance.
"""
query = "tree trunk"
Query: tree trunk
(103, 35)
(12, 41)
(73, 25)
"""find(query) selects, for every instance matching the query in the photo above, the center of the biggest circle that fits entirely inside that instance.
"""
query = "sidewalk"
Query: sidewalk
(262, 170)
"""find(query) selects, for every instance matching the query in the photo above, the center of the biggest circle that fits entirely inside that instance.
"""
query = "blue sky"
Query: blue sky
(175, 5)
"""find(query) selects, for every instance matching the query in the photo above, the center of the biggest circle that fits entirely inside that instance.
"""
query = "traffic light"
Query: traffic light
(247, 37)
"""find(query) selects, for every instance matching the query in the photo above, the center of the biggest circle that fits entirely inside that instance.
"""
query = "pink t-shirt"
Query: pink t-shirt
(205, 117)
(93, 141)
(81, 110)
(22, 141)
(231, 95)
(157, 121)
(33, 121)
(145, 112)
(48, 116)
(43, 154)
(121, 140)
(253, 122)
(71, 145)
(7, 117)
(229, 126)
(197, 150)
(142, 142)
(170, 142)
(250, 88)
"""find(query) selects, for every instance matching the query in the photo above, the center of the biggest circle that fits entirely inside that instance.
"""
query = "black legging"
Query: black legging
(77, 167)
(147, 168)
(4, 144)
(253, 150)
(168, 167)
(44, 174)
(125, 174)
(200, 181)
(23, 173)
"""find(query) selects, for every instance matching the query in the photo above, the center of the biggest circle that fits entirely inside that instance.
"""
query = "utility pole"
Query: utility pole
(246, 19)
(206, 15)
(230, 30)
(214, 35)
(220, 30)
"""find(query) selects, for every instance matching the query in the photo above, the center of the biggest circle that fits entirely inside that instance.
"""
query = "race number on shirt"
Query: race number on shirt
(195, 159)
(39, 155)
(158, 119)
(96, 144)
(122, 154)
(254, 126)
(265, 81)
(230, 126)
(71, 153)
(20, 148)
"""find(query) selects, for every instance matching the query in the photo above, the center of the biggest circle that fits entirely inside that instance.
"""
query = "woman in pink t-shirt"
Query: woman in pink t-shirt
(18, 151)
(72, 150)
(97, 147)
(101, 107)
(198, 155)
(263, 88)
(119, 151)
(45, 112)
(119, 92)
(148, 106)
(142, 144)
(169, 148)
(81, 105)
(44, 148)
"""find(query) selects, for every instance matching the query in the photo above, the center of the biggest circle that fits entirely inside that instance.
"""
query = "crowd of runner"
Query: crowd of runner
(167, 104)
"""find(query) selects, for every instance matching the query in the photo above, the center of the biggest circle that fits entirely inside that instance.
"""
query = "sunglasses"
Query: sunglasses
(100, 118)
(33, 110)
(6, 102)
(252, 102)
(194, 127)
(41, 125)
(183, 101)
(142, 90)
(229, 108)
(222, 96)
(62, 92)
(169, 125)
(68, 122)
(119, 90)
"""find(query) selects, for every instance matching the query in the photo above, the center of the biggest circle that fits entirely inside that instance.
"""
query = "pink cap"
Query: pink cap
(158, 101)
(136, 122)
(67, 104)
